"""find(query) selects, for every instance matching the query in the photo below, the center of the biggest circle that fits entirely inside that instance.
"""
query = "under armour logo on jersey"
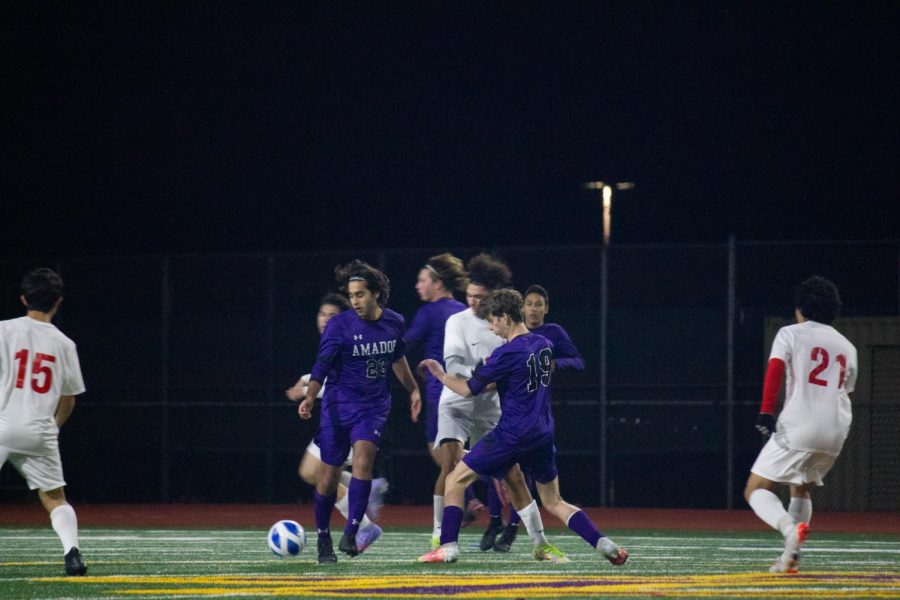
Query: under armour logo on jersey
(357, 337)
(376, 432)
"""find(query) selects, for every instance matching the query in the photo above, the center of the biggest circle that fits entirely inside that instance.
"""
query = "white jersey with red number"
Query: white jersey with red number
(820, 372)
(38, 364)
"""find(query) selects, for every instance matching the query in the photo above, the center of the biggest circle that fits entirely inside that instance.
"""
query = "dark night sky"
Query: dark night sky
(242, 127)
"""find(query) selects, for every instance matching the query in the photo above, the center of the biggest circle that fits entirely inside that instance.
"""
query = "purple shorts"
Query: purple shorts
(495, 457)
(340, 427)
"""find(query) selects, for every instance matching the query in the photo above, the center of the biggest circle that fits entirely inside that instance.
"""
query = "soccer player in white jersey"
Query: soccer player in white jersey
(331, 305)
(468, 341)
(39, 378)
(820, 368)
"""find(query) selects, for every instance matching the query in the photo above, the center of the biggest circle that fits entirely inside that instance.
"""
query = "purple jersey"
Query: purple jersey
(427, 328)
(357, 356)
(521, 370)
(565, 353)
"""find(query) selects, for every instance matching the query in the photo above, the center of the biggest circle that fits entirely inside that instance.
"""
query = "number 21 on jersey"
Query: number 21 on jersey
(820, 356)
(41, 374)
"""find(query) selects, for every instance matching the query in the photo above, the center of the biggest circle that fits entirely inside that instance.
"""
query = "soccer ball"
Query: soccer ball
(287, 538)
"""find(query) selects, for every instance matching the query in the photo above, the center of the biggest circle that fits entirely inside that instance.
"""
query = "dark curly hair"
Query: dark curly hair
(488, 271)
(334, 299)
(376, 281)
(41, 289)
(500, 302)
(450, 270)
(539, 290)
(818, 300)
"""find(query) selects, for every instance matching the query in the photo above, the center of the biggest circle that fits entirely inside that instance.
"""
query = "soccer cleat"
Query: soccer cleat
(326, 551)
(74, 565)
(779, 566)
(435, 542)
(347, 545)
(380, 487)
(504, 544)
(443, 554)
(790, 558)
(494, 528)
(550, 553)
(473, 508)
(366, 537)
(618, 557)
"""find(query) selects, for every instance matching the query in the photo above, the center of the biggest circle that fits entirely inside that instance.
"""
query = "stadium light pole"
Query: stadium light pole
(606, 191)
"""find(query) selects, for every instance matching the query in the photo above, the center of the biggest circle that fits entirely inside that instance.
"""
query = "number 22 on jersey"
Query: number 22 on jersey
(820, 355)
(41, 374)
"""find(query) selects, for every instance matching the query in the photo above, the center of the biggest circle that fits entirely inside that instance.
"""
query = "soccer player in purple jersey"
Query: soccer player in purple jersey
(355, 352)
(521, 370)
(565, 356)
(333, 304)
(437, 280)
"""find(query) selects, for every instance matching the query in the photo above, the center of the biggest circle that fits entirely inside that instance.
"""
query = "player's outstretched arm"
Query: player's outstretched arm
(405, 376)
(455, 383)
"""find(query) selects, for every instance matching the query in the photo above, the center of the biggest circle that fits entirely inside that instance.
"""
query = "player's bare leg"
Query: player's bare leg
(577, 520)
(454, 497)
(65, 523)
(760, 495)
(368, 531)
(451, 452)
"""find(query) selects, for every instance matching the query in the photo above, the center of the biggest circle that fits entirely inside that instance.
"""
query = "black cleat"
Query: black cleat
(506, 540)
(326, 551)
(494, 528)
(74, 565)
(347, 544)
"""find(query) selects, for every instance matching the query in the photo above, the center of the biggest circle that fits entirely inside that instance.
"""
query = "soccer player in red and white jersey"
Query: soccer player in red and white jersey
(820, 368)
(39, 378)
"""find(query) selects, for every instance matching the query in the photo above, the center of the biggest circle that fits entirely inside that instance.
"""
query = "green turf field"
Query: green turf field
(187, 563)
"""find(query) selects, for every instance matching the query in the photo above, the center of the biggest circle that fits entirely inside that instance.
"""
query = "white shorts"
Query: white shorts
(314, 449)
(41, 472)
(464, 419)
(792, 467)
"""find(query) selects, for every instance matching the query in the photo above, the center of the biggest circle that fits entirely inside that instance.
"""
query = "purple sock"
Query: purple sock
(358, 490)
(324, 505)
(450, 524)
(495, 507)
(581, 524)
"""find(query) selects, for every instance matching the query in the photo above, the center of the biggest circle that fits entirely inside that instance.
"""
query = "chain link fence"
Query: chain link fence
(186, 359)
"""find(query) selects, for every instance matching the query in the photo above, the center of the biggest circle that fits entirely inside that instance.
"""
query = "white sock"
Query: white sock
(607, 547)
(346, 476)
(65, 523)
(768, 507)
(438, 507)
(343, 505)
(531, 518)
(800, 509)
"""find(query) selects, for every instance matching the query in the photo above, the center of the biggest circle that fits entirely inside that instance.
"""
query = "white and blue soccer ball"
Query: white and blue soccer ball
(287, 538)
